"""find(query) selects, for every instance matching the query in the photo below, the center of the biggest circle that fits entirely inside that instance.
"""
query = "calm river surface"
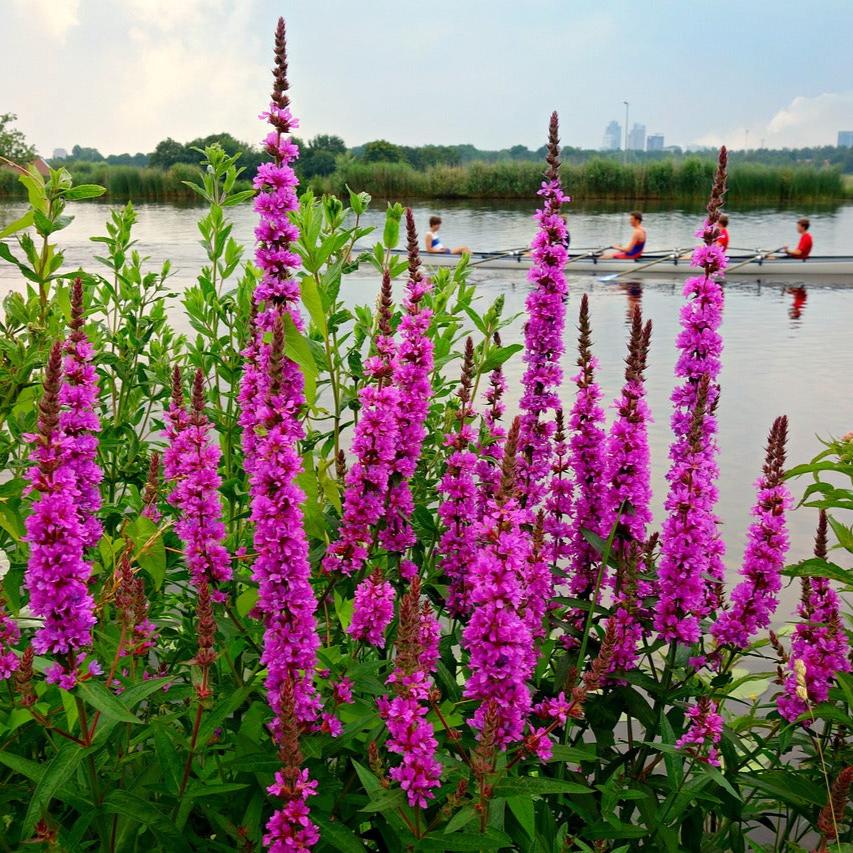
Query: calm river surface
(788, 350)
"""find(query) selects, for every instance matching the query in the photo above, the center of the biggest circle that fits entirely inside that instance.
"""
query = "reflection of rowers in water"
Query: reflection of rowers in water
(798, 302)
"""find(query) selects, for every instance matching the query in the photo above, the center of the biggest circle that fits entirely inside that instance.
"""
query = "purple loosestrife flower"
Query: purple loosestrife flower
(286, 599)
(457, 545)
(688, 532)
(704, 730)
(497, 637)
(629, 482)
(79, 396)
(538, 586)
(701, 345)
(819, 643)
(152, 489)
(375, 446)
(9, 636)
(191, 460)
(411, 735)
(588, 445)
(543, 332)
(492, 435)
(57, 575)
(558, 504)
(290, 827)
(754, 599)
(277, 293)
(373, 610)
(412, 368)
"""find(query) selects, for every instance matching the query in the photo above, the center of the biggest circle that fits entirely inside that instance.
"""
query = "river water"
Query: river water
(788, 348)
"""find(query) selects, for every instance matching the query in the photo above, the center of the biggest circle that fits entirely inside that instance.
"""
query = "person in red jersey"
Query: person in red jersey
(723, 239)
(804, 247)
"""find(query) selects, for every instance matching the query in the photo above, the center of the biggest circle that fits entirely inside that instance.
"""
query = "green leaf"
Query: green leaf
(384, 800)
(82, 191)
(246, 600)
(297, 349)
(815, 567)
(498, 355)
(108, 704)
(18, 225)
(313, 302)
(462, 818)
(56, 774)
(136, 693)
(167, 755)
(529, 786)
(150, 550)
(522, 808)
(491, 839)
(337, 836)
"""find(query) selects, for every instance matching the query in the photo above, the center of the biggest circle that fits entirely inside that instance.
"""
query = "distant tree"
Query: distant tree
(519, 152)
(381, 150)
(168, 152)
(326, 142)
(316, 162)
(86, 155)
(13, 143)
(139, 159)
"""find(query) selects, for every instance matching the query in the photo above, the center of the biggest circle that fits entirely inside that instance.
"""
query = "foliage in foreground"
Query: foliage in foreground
(460, 632)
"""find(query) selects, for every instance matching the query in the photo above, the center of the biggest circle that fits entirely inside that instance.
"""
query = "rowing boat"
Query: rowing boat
(671, 263)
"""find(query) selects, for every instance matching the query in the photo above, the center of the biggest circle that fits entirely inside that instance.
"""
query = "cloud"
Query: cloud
(805, 121)
(54, 18)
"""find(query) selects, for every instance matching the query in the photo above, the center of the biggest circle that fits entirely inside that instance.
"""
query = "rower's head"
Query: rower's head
(803, 225)
(434, 223)
(636, 218)
(723, 221)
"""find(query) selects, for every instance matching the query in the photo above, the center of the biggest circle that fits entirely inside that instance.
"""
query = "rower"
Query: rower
(433, 244)
(723, 236)
(804, 247)
(634, 250)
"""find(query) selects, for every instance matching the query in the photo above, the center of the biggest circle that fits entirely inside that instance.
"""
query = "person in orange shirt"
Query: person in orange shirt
(804, 247)
(723, 239)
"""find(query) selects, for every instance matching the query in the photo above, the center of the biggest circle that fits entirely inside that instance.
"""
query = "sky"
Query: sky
(120, 75)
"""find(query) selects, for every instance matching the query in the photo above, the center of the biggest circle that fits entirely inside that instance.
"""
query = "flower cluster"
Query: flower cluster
(373, 610)
(754, 598)
(543, 332)
(9, 636)
(497, 636)
(704, 731)
(375, 447)
(138, 632)
(490, 446)
(411, 375)
(558, 504)
(277, 293)
(272, 394)
(191, 461)
(78, 421)
(687, 535)
(57, 574)
(819, 647)
(692, 549)
(629, 482)
(458, 545)
(588, 445)
(411, 735)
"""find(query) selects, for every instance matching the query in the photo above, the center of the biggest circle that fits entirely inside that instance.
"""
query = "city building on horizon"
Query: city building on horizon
(59, 154)
(637, 137)
(845, 138)
(612, 137)
(654, 142)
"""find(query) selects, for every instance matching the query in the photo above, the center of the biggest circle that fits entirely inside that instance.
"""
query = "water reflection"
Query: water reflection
(633, 291)
(798, 301)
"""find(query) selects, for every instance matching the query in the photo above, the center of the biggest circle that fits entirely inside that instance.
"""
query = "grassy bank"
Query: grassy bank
(137, 183)
(599, 180)
(667, 181)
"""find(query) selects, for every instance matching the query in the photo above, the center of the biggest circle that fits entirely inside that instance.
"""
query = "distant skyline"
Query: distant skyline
(120, 75)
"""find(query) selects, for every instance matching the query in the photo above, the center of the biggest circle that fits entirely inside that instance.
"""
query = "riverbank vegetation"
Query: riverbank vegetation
(296, 580)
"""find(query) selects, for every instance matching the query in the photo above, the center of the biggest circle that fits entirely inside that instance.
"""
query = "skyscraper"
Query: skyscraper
(612, 137)
(845, 138)
(654, 142)
(637, 137)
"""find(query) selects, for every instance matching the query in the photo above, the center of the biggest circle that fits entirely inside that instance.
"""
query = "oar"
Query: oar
(758, 257)
(588, 254)
(676, 254)
(507, 254)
